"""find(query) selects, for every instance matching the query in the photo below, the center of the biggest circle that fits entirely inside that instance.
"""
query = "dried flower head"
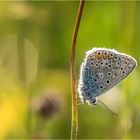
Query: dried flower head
(47, 104)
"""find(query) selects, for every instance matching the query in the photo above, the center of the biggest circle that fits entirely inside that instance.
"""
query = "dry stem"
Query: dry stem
(74, 125)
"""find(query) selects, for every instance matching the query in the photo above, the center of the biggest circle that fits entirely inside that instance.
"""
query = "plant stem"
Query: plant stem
(74, 123)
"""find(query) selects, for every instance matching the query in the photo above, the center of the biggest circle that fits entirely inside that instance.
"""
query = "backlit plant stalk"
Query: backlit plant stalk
(74, 123)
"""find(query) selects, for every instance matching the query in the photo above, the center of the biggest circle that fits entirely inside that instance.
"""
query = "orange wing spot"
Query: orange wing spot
(105, 55)
(110, 56)
(98, 55)
(126, 62)
(91, 58)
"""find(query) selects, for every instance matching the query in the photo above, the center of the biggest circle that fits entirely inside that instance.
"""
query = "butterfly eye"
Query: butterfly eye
(94, 101)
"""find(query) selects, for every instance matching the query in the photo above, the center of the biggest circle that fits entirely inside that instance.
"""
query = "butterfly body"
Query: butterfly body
(101, 70)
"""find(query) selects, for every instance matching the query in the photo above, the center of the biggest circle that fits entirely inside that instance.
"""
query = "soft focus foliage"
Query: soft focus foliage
(35, 39)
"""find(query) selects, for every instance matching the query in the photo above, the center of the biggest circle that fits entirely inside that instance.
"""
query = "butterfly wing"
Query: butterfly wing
(103, 69)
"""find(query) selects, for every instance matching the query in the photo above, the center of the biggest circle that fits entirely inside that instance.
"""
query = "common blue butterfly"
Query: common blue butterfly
(101, 70)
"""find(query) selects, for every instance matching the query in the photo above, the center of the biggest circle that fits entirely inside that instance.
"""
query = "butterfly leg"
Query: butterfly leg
(81, 101)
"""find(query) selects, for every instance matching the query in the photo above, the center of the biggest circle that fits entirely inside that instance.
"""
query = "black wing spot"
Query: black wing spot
(108, 81)
(106, 63)
(97, 64)
(95, 80)
(109, 73)
(101, 86)
(92, 63)
(110, 65)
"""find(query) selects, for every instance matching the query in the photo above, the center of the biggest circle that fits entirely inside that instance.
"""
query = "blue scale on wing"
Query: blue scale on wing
(110, 74)
(95, 86)
(87, 72)
(90, 85)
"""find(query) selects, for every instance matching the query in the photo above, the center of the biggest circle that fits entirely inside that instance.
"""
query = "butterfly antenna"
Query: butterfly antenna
(111, 111)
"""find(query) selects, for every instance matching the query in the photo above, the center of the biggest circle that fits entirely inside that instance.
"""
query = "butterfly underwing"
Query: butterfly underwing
(101, 70)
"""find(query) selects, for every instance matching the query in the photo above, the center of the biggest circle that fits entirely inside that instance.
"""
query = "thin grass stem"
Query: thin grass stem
(74, 123)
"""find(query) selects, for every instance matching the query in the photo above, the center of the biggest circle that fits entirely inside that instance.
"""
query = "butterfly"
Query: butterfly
(101, 70)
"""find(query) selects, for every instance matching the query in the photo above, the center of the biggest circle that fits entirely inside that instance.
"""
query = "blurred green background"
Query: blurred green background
(35, 96)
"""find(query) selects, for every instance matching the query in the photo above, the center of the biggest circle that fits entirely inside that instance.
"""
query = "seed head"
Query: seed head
(46, 105)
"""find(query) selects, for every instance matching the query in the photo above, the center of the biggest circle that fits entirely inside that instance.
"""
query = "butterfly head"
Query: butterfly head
(93, 102)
